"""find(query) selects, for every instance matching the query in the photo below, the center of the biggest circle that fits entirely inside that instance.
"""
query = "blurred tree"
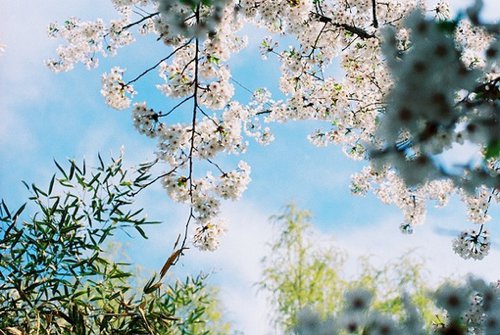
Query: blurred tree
(304, 271)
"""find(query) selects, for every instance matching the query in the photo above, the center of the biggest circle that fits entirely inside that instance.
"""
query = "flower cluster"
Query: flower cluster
(115, 91)
(181, 16)
(422, 106)
(145, 119)
(84, 41)
(472, 308)
(393, 106)
(390, 188)
(87, 39)
(472, 244)
(202, 194)
(478, 205)
(207, 236)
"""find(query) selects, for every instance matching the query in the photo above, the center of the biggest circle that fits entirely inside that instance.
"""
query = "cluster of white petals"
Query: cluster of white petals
(478, 205)
(87, 39)
(179, 15)
(207, 237)
(392, 104)
(390, 188)
(115, 91)
(472, 308)
(472, 244)
(120, 4)
(203, 194)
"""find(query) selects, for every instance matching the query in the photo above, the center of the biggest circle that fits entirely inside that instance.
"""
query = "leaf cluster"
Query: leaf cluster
(56, 278)
(303, 272)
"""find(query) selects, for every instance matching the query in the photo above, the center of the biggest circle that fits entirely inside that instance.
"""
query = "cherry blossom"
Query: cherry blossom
(393, 107)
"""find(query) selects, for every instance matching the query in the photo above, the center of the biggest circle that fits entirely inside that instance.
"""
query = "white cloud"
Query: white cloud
(24, 31)
(13, 134)
(384, 242)
(237, 265)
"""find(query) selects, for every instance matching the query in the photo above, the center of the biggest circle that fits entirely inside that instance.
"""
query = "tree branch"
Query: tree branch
(144, 18)
(158, 63)
(352, 29)
(374, 13)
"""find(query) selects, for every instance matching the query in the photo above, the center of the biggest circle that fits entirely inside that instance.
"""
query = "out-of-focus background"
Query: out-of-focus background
(46, 116)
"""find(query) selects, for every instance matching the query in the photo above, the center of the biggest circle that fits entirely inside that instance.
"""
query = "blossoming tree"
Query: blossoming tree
(416, 82)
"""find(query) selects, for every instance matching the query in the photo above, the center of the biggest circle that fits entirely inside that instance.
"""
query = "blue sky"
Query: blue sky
(44, 116)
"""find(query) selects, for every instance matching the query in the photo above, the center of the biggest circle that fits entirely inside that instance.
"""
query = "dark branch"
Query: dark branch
(374, 13)
(144, 18)
(175, 107)
(158, 63)
(352, 29)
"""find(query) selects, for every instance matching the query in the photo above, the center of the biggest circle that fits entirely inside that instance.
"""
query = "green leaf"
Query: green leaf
(492, 150)
(448, 26)
(72, 170)
(6, 209)
(213, 59)
(51, 185)
(61, 169)
(141, 231)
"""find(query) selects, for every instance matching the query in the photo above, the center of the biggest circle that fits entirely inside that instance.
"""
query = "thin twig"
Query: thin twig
(143, 186)
(208, 116)
(241, 85)
(352, 29)
(144, 18)
(158, 63)
(175, 107)
(193, 132)
(217, 166)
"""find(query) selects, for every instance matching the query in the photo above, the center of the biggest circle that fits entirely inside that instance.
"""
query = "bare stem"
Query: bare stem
(158, 63)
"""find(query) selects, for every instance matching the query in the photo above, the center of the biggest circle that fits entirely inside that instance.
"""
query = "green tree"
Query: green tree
(57, 278)
(302, 271)
(297, 274)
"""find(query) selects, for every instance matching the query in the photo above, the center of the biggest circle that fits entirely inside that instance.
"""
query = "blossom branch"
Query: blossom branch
(352, 29)
(144, 18)
(193, 133)
(216, 165)
(374, 13)
(186, 231)
(158, 63)
(175, 107)
(163, 175)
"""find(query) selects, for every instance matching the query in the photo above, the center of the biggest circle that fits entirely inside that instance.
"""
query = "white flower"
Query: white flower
(308, 322)
(206, 237)
(454, 300)
(472, 244)
(115, 91)
(357, 300)
(145, 119)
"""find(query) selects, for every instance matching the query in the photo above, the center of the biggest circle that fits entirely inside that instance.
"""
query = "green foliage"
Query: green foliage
(388, 282)
(55, 277)
(492, 150)
(447, 26)
(303, 272)
(194, 3)
(297, 274)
